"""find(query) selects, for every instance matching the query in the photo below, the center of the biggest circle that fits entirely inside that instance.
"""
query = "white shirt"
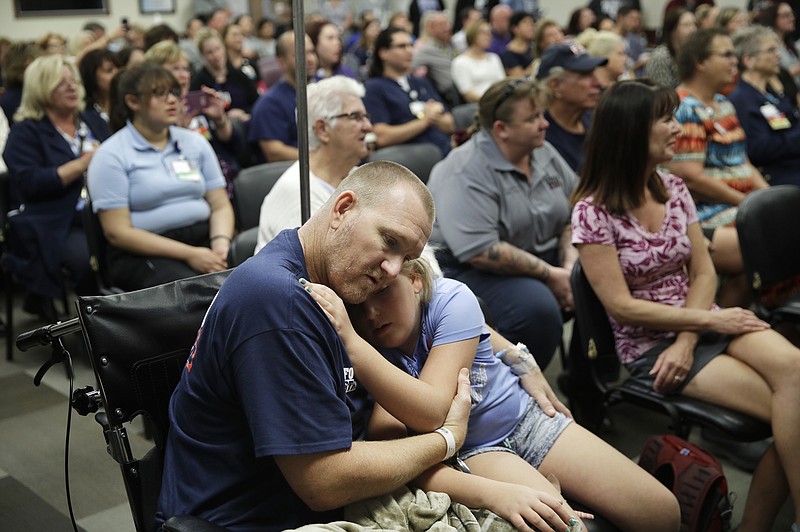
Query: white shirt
(281, 208)
(476, 75)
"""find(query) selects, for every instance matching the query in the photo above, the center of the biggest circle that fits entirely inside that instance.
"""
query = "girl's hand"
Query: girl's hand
(333, 307)
(537, 387)
(529, 509)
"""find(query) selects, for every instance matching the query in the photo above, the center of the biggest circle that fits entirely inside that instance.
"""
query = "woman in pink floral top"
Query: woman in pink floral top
(644, 254)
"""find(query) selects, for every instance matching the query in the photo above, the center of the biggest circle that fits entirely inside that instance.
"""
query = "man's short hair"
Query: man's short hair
(695, 50)
(282, 46)
(326, 98)
(371, 182)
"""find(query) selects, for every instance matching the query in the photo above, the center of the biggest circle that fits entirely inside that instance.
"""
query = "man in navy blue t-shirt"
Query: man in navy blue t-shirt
(405, 109)
(267, 414)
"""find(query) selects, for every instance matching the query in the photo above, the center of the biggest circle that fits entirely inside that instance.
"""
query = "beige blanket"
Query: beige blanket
(414, 511)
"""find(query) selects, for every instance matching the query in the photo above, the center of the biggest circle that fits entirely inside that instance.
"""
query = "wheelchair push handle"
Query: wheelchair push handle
(45, 335)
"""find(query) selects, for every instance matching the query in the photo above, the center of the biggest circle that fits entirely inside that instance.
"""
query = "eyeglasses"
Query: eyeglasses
(355, 116)
(509, 90)
(162, 93)
(730, 54)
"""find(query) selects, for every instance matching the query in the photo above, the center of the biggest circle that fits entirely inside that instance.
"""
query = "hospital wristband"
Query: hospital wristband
(450, 440)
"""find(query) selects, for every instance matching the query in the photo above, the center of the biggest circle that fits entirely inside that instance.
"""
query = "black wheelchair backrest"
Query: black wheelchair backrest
(139, 342)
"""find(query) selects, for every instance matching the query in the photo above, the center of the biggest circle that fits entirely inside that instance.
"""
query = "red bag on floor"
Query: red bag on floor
(695, 477)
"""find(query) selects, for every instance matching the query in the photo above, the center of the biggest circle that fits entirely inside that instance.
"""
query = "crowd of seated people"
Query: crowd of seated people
(155, 125)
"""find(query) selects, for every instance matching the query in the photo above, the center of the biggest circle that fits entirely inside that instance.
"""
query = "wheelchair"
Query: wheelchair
(138, 343)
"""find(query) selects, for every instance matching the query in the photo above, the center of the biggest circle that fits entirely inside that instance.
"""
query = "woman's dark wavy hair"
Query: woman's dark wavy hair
(769, 17)
(383, 42)
(671, 20)
(88, 67)
(617, 147)
(574, 20)
(139, 81)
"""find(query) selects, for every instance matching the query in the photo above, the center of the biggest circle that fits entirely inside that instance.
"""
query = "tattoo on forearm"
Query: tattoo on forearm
(505, 259)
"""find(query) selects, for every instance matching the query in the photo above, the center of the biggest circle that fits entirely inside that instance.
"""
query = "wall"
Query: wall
(32, 27)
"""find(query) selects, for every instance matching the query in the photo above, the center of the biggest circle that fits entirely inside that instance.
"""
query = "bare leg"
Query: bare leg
(764, 369)
(727, 258)
(725, 252)
(594, 473)
(765, 498)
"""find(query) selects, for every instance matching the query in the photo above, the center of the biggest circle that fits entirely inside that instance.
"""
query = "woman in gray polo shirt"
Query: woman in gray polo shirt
(503, 211)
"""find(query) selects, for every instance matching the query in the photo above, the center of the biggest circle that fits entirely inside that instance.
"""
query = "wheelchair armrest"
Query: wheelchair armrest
(190, 523)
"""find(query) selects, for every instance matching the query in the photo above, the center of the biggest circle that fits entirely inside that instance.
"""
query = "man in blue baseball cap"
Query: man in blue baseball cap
(569, 73)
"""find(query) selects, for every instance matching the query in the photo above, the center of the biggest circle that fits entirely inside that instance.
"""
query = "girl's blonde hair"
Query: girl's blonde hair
(427, 269)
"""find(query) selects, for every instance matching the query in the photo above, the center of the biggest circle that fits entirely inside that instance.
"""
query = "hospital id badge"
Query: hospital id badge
(417, 108)
(775, 118)
(184, 170)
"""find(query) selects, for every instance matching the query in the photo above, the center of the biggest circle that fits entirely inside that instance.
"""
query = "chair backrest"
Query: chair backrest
(597, 351)
(98, 246)
(765, 222)
(242, 247)
(464, 115)
(139, 342)
(419, 158)
(250, 188)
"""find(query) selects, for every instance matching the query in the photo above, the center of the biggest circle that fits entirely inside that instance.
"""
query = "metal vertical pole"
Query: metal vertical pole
(301, 79)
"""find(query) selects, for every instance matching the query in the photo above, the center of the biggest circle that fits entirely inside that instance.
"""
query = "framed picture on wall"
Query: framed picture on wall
(49, 8)
(156, 6)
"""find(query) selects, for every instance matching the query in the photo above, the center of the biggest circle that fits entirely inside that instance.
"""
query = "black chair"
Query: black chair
(242, 247)
(765, 222)
(419, 158)
(595, 364)
(464, 115)
(250, 188)
(7, 280)
(138, 344)
(98, 246)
